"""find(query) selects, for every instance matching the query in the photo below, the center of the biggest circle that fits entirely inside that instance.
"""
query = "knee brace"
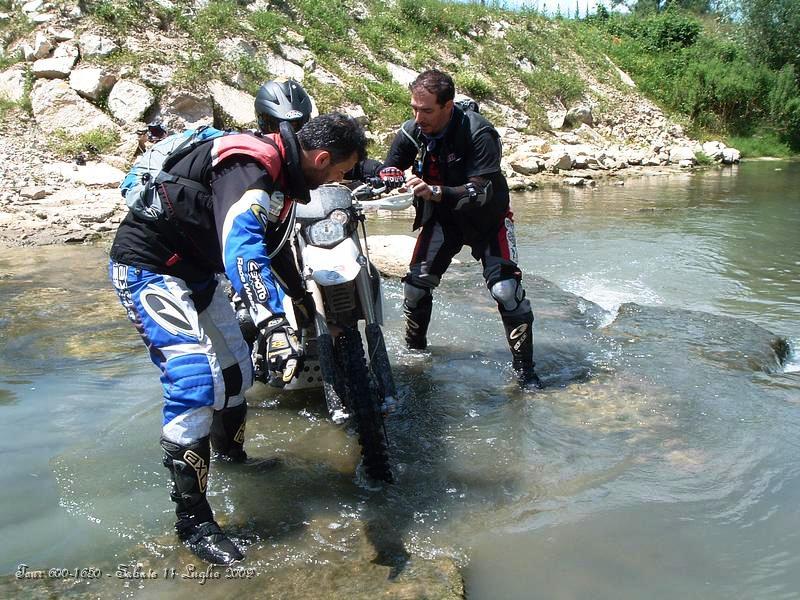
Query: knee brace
(509, 295)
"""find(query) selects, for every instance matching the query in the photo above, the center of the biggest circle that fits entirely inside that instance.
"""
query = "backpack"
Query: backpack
(466, 104)
(151, 168)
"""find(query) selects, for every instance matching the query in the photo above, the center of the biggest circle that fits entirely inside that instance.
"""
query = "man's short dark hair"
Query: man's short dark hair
(437, 83)
(339, 134)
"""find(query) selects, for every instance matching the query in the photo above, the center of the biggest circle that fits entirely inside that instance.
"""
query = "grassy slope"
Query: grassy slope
(459, 38)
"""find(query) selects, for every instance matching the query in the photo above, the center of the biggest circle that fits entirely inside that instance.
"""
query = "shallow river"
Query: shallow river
(661, 460)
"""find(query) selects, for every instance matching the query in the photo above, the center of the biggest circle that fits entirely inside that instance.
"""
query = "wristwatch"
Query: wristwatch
(436, 193)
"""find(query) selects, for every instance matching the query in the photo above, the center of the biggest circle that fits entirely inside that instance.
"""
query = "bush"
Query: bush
(92, 143)
(473, 84)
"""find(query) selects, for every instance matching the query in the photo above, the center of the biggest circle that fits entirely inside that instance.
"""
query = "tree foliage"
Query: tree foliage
(700, 69)
(773, 30)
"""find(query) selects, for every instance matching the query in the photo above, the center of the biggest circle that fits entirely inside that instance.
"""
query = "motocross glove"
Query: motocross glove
(304, 310)
(278, 354)
(391, 177)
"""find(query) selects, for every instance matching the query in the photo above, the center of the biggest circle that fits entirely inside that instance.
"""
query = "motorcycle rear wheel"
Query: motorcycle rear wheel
(364, 405)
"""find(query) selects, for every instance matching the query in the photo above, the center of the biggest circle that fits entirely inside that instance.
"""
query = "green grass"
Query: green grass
(761, 145)
(93, 142)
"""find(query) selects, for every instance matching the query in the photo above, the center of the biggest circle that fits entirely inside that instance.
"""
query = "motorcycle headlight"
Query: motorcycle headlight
(330, 231)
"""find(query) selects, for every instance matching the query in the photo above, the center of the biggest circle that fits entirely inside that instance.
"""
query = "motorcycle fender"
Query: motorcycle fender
(333, 266)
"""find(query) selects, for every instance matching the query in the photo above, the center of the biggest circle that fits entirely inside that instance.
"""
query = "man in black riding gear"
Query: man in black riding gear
(226, 205)
(461, 197)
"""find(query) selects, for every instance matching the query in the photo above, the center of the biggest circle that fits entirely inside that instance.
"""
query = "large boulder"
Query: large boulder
(400, 74)
(526, 163)
(57, 106)
(713, 150)
(235, 105)
(391, 253)
(12, 84)
(91, 82)
(180, 110)
(93, 45)
(156, 75)
(731, 156)
(281, 67)
(129, 101)
(682, 155)
(578, 115)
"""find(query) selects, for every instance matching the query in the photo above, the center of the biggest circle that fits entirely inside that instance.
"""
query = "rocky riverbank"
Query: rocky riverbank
(64, 75)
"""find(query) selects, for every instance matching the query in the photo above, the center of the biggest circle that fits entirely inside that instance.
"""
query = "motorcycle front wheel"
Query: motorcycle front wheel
(364, 405)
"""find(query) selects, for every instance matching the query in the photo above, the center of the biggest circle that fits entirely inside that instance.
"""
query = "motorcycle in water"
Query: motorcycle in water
(347, 290)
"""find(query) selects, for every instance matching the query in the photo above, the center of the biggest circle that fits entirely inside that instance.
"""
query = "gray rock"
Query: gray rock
(391, 253)
(679, 154)
(57, 106)
(234, 49)
(731, 156)
(558, 161)
(53, 68)
(64, 35)
(33, 192)
(96, 45)
(400, 74)
(281, 67)
(91, 82)
(185, 110)
(12, 84)
(156, 75)
(128, 101)
(41, 46)
(32, 6)
(577, 115)
(299, 56)
(325, 77)
(235, 104)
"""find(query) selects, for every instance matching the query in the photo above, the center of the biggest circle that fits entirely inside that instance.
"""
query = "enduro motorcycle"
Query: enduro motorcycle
(347, 289)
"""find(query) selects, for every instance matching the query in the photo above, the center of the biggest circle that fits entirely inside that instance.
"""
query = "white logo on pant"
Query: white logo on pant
(164, 310)
(519, 331)
(511, 238)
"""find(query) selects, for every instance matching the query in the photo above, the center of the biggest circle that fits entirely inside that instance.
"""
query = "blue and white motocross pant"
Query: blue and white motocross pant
(192, 335)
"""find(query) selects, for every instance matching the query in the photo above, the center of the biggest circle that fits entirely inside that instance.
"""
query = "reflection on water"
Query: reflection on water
(661, 454)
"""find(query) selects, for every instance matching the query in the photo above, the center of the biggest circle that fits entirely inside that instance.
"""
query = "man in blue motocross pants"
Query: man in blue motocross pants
(168, 275)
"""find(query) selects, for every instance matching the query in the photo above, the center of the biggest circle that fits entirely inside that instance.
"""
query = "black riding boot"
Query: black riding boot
(227, 433)
(417, 321)
(519, 333)
(196, 526)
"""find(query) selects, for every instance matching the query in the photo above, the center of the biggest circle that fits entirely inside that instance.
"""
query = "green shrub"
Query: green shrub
(766, 143)
(97, 141)
(475, 85)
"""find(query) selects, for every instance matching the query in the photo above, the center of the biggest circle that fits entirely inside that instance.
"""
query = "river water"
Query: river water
(660, 461)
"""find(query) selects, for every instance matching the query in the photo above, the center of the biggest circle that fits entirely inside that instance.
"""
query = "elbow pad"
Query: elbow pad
(474, 196)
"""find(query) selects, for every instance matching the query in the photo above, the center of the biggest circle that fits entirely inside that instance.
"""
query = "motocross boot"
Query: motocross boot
(417, 321)
(519, 333)
(196, 526)
(227, 433)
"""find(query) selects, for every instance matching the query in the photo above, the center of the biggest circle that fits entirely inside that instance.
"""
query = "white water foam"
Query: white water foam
(611, 294)
(792, 364)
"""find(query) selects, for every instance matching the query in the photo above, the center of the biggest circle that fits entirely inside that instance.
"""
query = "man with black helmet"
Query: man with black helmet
(226, 203)
(461, 197)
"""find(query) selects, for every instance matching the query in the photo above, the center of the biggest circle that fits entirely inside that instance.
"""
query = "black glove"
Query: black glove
(278, 353)
(304, 310)
(391, 177)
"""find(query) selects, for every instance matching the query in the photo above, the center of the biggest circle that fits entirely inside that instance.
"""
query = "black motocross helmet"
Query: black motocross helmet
(282, 101)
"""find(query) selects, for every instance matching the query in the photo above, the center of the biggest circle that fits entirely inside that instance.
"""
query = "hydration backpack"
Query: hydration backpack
(139, 188)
